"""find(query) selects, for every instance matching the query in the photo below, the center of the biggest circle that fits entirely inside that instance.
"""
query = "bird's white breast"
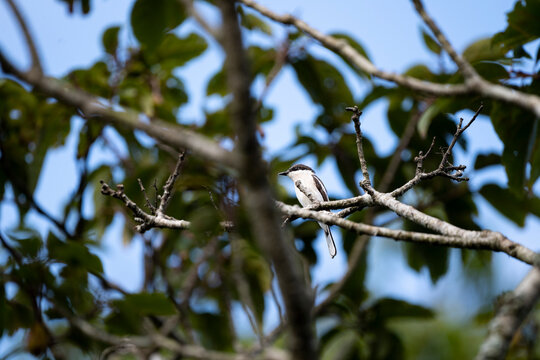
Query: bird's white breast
(306, 177)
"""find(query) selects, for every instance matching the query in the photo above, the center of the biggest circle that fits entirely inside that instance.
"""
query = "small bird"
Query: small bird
(315, 186)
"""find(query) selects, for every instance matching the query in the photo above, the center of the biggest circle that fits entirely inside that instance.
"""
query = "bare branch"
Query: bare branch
(146, 199)
(347, 51)
(36, 62)
(466, 69)
(510, 315)
(366, 182)
(255, 191)
(167, 189)
(452, 236)
(445, 168)
(146, 220)
(473, 85)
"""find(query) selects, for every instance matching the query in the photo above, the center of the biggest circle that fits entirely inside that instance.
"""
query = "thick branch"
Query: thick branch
(92, 107)
(255, 191)
(451, 236)
(510, 315)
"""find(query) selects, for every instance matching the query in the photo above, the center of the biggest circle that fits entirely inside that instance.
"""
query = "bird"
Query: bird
(313, 185)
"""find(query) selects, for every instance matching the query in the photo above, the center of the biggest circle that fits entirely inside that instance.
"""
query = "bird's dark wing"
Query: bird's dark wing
(320, 187)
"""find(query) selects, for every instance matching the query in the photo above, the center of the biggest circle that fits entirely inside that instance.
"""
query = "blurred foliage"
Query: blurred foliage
(198, 274)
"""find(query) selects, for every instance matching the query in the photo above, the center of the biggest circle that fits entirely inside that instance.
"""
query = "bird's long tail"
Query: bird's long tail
(329, 240)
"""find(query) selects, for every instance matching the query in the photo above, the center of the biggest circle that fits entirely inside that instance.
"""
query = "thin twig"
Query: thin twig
(167, 189)
(366, 182)
(445, 168)
(466, 69)
(36, 62)
(243, 287)
(146, 199)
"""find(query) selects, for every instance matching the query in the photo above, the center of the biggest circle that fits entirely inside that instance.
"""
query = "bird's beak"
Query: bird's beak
(284, 173)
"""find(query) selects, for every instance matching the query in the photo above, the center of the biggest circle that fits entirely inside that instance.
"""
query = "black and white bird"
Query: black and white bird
(314, 186)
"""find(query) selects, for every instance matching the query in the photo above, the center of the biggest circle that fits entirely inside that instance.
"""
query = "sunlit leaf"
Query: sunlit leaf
(483, 50)
(431, 43)
(523, 25)
(253, 22)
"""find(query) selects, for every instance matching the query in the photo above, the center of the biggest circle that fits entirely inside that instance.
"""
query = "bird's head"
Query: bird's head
(295, 169)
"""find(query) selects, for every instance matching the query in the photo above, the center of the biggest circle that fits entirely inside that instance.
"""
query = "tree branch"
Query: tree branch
(445, 168)
(466, 69)
(366, 182)
(36, 62)
(452, 236)
(255, 191)
(510, 315)
(167, 189)
(92, 107)
(475, 85)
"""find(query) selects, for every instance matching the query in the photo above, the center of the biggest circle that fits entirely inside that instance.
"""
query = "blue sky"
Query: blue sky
(389, 30)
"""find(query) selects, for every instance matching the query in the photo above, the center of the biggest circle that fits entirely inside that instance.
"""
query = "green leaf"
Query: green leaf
(151, 19)
(220, 336)
(145, 304)
(535, 160)
(491, 71)
(431, 43)
(506, 202)
(434, 257)
(426, 119)
(175, 51)
(95, 79)
(73, 254)
(358, 47)
(109, 40)
(485, 160)
(30, 246)
(217, 84)
(517, 129)
(523, 26)
(84, 5)
(253, 22)
(326, 86)
(344, 345)
(421, 72)
(483, 50)
(388, 308)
